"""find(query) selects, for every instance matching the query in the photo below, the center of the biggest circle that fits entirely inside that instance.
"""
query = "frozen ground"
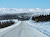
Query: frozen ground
(43, 27)
(21, 29)
(26, 28)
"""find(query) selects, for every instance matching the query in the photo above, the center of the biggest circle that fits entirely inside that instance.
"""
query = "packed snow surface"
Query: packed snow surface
(21, 29)
(43, 27)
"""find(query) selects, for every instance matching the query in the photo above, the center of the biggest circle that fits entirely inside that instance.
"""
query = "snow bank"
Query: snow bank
(43, 27)
(12, 26)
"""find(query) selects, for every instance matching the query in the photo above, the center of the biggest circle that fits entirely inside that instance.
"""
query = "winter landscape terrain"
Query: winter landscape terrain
(24, 26)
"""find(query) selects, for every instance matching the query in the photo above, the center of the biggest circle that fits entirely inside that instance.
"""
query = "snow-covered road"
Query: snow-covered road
(22, 30)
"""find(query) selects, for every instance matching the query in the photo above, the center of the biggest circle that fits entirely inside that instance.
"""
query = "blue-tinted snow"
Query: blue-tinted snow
(43, 27)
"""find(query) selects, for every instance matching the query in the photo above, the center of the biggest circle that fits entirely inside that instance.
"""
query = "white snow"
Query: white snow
(35, 11)
(26, 28)
(43, 27)
(16, 24)
(21, 30)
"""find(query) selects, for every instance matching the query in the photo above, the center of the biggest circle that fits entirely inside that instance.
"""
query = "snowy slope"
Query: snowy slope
(6, 28)
(35, 11)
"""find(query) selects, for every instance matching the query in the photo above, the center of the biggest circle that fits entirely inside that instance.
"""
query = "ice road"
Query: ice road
(21, 29)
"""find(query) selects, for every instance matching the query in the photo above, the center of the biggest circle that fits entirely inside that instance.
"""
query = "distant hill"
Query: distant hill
(22, 13)
(20, 16)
